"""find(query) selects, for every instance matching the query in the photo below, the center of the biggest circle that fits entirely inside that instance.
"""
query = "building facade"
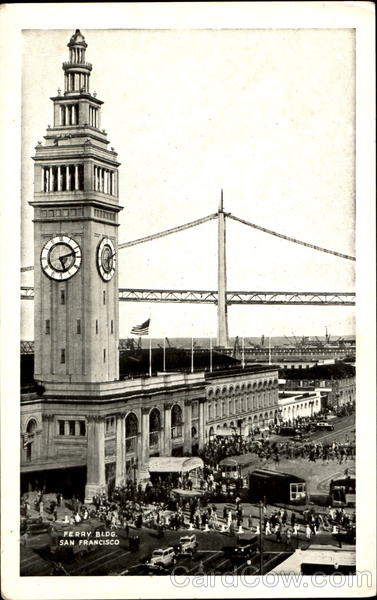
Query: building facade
(295, 404)
(82, 428)
(245, 403)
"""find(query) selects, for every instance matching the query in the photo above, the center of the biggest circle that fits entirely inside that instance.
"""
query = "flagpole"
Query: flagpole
(210, 355)
(163, 358)
(150, 356)
(192, 354)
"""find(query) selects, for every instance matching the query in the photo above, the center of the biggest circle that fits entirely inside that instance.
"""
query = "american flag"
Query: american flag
(142, 329)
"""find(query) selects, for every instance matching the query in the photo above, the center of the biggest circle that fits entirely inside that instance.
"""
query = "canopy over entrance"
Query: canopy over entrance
(173, 464)
(226, 431)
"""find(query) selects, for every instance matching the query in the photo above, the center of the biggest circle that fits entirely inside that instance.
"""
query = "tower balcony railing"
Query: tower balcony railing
(68, 65)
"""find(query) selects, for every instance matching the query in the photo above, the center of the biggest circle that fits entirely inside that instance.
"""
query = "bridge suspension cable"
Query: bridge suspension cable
(154, 236)
(290, 239)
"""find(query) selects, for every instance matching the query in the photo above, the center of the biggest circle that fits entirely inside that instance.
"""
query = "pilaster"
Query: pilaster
(95, 477)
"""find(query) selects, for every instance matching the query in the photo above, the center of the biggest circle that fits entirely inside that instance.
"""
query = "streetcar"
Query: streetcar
(273, 486)
(234, 470)
(342, 492)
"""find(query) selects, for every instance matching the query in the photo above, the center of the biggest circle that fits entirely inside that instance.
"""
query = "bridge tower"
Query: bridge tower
(76, 209)
(222, 307)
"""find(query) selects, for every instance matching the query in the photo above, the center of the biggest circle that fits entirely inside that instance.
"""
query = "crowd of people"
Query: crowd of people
(221, 447)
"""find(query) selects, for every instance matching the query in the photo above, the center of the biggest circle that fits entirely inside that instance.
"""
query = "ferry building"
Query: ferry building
(83, 425)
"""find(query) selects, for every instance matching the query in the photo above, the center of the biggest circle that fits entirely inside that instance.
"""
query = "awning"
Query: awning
(173, 464)
(225, 431)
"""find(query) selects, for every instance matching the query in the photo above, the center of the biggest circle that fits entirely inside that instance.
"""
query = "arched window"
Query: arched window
(209, 411)
(176, 421)
(194, 432)
(154, 426)
(31, 427)
(132, 428)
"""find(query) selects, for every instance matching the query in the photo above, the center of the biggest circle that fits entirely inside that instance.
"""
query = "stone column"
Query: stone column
(120, 450)
(201, 423)
(187, 443)
(144, 436)
(167, 429)
(95, 462)
(59, 179)
(76, 177)
(67, 181)
(48, 435)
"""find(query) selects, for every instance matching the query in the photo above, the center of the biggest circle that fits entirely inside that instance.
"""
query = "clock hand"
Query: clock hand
(66, 255)
(63, 259)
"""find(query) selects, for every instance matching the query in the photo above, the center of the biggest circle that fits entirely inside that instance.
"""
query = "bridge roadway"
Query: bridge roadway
(238, 297)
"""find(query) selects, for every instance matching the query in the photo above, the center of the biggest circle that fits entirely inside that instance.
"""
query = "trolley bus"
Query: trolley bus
(273, 486)
(343, 492)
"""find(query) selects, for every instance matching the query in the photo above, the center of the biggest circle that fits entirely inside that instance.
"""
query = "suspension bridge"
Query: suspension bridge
(222, 297)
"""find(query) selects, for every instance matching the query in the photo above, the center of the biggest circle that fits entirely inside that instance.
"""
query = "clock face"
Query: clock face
(106, 259)
(61, 258)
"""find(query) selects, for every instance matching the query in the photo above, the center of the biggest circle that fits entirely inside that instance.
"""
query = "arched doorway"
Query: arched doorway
(132, 430)
(31, 428)
(154, 432)
(194, 441)
(177, 430)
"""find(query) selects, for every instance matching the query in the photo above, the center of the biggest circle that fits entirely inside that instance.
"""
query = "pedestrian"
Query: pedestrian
(250, 521)
(278, 533)
(307, 532)
(289, 536)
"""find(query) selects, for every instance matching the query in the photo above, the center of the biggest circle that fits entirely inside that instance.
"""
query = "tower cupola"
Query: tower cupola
(76, 70)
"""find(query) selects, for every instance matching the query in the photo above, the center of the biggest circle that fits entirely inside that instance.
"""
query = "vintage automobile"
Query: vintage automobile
(187, 544)
(162, 557)
(245, 548)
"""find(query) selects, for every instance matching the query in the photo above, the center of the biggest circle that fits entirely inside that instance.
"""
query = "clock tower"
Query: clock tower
(76, 207)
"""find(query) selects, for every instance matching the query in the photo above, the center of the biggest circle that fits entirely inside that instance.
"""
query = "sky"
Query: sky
(266, 115)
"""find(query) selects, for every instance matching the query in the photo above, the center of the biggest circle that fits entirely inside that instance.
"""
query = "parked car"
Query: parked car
(244, 549)
(163, 557)
(187, 544)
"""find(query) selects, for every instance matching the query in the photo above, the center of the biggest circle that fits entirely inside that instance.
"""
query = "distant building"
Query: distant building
(296, 403)
(336, 381)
